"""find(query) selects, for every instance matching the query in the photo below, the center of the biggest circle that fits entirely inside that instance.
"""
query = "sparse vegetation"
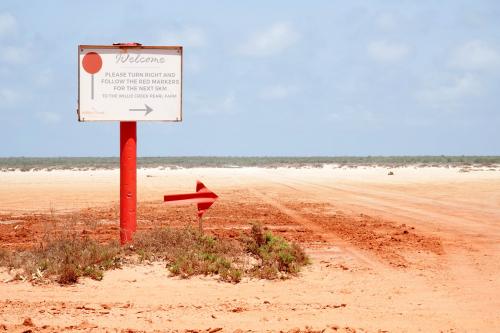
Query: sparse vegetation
(66, 258)
(93, 163)
(188, 253)
(185, 251)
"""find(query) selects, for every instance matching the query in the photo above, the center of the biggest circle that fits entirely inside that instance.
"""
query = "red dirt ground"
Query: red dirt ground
(418, 251)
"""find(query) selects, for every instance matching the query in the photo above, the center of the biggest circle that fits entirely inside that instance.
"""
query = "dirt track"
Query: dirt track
(416, 251)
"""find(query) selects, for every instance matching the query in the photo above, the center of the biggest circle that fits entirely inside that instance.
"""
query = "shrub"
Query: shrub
(278, 258)
(68, 274)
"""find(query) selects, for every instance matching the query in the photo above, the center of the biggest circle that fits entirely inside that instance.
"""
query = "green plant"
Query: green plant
(277, 256)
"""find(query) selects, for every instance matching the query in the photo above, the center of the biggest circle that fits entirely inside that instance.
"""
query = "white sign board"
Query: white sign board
(129, 83)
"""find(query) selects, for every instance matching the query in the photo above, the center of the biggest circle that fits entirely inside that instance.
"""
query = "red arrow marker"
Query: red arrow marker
(203, 197)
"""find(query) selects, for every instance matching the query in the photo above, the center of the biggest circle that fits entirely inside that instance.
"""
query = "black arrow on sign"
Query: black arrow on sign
(147, 108)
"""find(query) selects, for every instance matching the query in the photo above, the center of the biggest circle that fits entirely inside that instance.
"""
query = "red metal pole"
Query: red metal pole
(128, 180)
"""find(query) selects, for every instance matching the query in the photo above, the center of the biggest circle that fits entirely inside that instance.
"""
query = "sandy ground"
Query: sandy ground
(417, 251)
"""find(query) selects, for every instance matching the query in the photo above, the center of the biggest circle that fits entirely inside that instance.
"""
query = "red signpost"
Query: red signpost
(203, 197)
(128, 180)
(110, 88)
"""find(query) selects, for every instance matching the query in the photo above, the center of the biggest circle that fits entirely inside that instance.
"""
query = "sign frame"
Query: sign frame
(120, 46)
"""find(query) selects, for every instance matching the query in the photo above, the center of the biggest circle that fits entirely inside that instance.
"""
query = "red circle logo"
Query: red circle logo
(92, 62)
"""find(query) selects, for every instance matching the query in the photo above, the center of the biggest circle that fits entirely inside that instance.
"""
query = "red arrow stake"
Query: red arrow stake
(203, 197)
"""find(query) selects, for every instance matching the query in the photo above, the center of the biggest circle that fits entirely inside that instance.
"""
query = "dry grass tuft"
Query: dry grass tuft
(64, 259)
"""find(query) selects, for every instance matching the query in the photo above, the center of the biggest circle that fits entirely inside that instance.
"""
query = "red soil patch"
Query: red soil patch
(388, 240)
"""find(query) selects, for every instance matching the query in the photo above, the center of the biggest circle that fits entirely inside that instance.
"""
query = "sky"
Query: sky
(265, 78)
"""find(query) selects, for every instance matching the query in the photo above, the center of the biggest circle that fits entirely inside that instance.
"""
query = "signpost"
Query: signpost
(203, 197)
(128, 83)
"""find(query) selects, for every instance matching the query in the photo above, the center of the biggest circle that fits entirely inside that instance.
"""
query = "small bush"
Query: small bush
(278, 258)
(257, 235)
(68, 274)
(5, 256)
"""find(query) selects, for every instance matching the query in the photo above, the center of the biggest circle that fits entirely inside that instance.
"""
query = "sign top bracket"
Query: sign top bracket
(132, 44)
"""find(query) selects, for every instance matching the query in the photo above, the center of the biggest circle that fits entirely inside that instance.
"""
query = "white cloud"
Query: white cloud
(277, 38)
(276, 92)
(9, 96)
(48, 117)
(8, 24)
(353, 113)
(192, 63)
(44, 78)
(450, 94)
(386, 21)
(385, 51)
(476, 55)
(187, 37)
(224, 105)
(14, 54)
